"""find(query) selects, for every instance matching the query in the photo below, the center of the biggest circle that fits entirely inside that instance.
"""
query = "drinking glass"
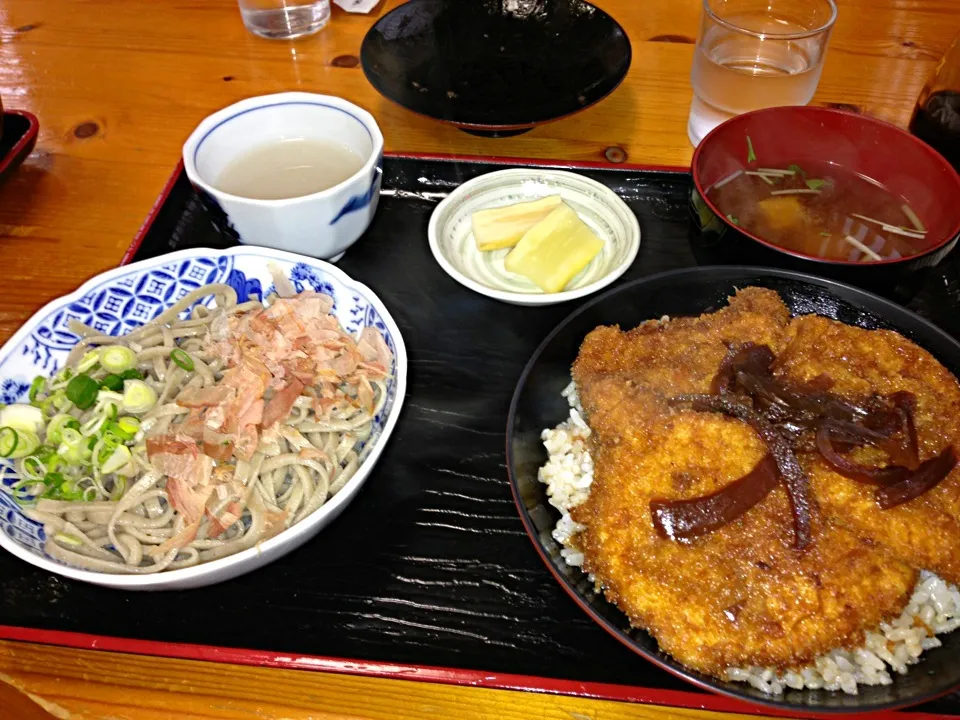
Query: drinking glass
(754, 54)
(936, 119)
(284, 19)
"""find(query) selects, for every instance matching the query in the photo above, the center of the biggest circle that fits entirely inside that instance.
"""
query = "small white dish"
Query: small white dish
(119, 300)
(323, 224)
(451, 233)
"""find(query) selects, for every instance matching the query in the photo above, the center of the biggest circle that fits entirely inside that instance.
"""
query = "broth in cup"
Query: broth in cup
(292, 171)
(289, 168)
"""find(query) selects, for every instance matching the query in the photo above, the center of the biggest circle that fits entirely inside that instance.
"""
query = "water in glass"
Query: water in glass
(749, 60)
(284, 19)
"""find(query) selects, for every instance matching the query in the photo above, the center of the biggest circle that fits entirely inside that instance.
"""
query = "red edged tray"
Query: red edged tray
(428, 576)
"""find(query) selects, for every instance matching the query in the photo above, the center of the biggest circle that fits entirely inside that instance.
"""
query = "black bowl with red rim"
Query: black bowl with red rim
(783, 136)
(495, 68)
(537, 404)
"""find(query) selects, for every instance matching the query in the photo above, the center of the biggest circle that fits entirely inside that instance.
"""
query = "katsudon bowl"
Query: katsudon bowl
(538, 404)
(849, 172)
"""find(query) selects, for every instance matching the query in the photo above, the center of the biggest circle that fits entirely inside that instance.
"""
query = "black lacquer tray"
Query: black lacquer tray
(428, 574)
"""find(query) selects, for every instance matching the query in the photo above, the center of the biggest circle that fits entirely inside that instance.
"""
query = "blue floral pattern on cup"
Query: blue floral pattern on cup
(126, 298)
(359, 202)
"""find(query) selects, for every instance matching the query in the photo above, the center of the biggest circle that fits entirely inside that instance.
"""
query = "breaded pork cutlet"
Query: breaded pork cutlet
(682, 355)
(742, 595)
(924, 532)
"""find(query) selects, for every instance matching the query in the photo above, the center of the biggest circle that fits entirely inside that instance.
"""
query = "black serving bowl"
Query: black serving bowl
(785, 135)
(537, 404)
(495, 67)
(18, 139)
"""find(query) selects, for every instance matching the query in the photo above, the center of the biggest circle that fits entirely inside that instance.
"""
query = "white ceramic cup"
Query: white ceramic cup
(322, 224)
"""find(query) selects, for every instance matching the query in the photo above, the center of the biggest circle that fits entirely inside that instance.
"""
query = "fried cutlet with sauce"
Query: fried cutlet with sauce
(741, 595)
(924, 532)
(683, 354)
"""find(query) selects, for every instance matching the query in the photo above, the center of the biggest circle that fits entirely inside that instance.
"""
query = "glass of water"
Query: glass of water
(284, 19)
(753, 54)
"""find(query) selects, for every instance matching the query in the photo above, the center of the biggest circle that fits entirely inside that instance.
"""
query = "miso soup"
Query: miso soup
(823, 210)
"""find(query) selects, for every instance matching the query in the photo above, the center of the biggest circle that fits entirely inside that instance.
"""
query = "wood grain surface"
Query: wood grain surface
(118, 85)
(91, 684)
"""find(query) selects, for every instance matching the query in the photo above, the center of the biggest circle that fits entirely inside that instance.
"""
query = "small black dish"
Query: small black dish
(17, 140)
(495, 67)
(537, 404)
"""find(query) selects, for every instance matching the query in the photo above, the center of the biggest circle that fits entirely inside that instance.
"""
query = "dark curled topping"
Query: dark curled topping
(755, 359)
(687, 519)
(801, 403)
(791, 416)
(798, 486)
(926, 477)
(906, 452)
(853, 470)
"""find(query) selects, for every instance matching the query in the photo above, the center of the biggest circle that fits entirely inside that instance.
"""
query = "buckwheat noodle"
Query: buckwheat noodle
(122, 523)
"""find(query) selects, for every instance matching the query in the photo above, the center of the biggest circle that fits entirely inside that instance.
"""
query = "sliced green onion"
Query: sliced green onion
(92, 426)
(68, 539)
(60, 488)
(23, 442)
(104, 448)
(119, 485)
(82, 391)
(182, 359)
(117, 358)
(123, 430)
(24, 491)
(57, 424)
(751, 155)
(72, 436)
(120, 457)
(815, 183)
(138, 397)
(74, 448)
(129, 425)
(51, 461)
(9, 439)
(22, 417)
(33, 468)
(797, 169)
(112, 382)
(112, 429)
(53, 479)
(39, 382)
(733, 219)
(89, 361)
(132, 374)
(60, 401)
(63, 376)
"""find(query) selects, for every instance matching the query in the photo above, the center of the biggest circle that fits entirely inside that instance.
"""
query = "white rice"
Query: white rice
(894, 646)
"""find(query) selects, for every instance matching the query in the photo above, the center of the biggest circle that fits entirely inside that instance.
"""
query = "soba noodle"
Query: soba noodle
(201, 481)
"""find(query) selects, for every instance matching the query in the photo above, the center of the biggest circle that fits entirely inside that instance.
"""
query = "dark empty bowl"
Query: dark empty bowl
(783, 136)
(495, 67)
(537, 404)
(18, 139)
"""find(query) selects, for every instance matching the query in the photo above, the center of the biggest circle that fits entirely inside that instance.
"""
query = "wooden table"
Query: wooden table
(118, 85)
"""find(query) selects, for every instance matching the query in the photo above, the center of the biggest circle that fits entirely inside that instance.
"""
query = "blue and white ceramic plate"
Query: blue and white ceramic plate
(120, 300)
